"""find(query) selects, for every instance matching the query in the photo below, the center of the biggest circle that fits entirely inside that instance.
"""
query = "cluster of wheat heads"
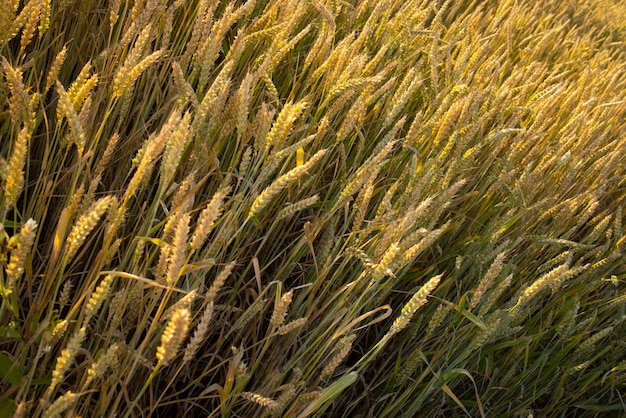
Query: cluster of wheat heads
(312, 208)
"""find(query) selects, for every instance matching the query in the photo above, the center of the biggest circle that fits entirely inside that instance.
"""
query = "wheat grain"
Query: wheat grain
(219, 281)
(65, 360)
(15, 268)
(25, 15)
(200, 333)
(207, 218)
(417, 301)
(14, 177)
(173, 336)
(177, 253)
(291, 209)
(61, 404)
(107, 360)
(85, 224)
(261, 400)
(98, 297)
(280, 310)
(279, 184)
(66, 109)
(283, 125)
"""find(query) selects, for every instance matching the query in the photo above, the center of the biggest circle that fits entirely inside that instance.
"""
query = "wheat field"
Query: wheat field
(319, 208)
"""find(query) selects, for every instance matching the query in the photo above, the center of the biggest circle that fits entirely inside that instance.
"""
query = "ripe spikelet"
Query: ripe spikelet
(20, 408)
(343, 348)
(244, 165)
(283, 48)
(103, 162)
(173, 336)
(14, 172)
(29, 28)
(383, 268)
(205, 56)
(184, 193)
(66, 109)
(268, 403)
(184, 302)
(423, 244)
(284, 123)
(107, 360)
(80, 96)
(55, 68)
(290, 326)
(7, 15)
(60, 405)
(607, 260)
(243, 104)
(98, 297)
(362, 201)
(417, 301)
(219, 281)
(19, 108)
(409, 85)
(58, 331)
(177, 254)
(293, 208)
(27, 12)
(598, 229)
(283, 181)
(280, 310)
(353, 86)
(85, 224)
(199, 334)
(121, 80)
(552, 279)
(207, 218)
(169, 21)
(487, 281)
(44, 21)
(362, 256)
(151, 151)
(161, 267)
(174, 149)
(65, 360)
(213, 101)
(362, 174)
(291, 149)
(261, 125)
(15, 268)
(185, 91)
(126, 76)
(114, 9)
(201, 26)
(271, 88)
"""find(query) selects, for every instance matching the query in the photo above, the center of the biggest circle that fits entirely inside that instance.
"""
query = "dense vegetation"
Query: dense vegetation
(312, 208)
